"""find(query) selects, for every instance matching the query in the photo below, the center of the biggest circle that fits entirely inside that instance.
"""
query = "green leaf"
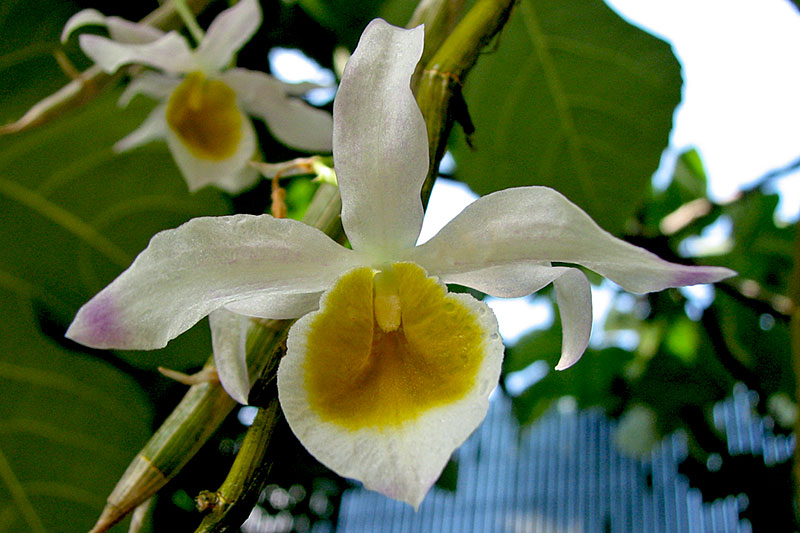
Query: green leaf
(573, 98)
(69, 424)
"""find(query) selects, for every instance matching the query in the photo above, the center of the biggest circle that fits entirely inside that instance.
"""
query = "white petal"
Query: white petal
(574, 297)
(400, 461)
(573, 293)
(539, 224)
(277, 306)
(229, 340)
(186, 273)
(233, 174)
(290, 120)
(154, 127)
(380, 142)
(152, 84)
(121, 30)
(510, 280)
(169, 53)
(228, 33)
(301, 88)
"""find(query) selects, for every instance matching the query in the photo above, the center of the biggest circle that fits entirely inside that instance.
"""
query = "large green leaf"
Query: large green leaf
(69, 424)
(573, 98)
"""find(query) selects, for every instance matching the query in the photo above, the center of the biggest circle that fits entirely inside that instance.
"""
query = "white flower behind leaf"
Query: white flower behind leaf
(204, 104)
(386, 372)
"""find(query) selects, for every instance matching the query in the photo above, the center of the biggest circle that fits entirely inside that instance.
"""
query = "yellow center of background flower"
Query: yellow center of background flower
(203, 113)
(359, 375)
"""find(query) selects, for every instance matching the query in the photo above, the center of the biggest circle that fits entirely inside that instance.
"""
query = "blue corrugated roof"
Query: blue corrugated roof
(565, 474)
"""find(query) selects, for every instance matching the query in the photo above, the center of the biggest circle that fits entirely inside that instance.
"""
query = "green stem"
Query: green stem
(189, 21)
(438, 88)
(247, 477)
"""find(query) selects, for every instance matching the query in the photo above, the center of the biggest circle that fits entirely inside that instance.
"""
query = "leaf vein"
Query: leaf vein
(559, 96)
(20, 496)
(66, 220)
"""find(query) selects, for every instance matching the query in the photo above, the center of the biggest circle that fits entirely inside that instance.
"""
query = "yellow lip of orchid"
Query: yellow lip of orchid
(385, 373)
(204, 115)
(213, 143)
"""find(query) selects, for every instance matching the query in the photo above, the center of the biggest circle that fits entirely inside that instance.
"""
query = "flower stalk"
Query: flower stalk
(247, 477)
(201, 411)
(187, 16)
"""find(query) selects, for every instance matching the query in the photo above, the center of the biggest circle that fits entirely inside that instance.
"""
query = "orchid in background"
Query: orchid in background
(204, 103)
(386, 373)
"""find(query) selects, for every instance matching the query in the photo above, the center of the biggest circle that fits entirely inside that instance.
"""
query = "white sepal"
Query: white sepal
(574, 297)
(169, 53)
(154, 127)
(120, 30)
(539, 224)
(229, 31)
(380, 141)
(229, 341)
(290, 120)
(188, 272)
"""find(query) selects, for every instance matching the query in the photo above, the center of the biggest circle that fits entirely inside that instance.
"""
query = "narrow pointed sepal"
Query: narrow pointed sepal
(229, 341)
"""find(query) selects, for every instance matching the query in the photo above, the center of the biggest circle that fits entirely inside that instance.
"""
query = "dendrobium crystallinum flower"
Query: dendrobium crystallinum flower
(204, 103)
(386, 373)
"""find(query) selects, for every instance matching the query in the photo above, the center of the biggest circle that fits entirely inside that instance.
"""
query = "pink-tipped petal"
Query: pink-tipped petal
(538, 224)
(207, 263)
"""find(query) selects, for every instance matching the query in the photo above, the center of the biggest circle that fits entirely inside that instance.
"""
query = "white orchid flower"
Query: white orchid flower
(386, 373)
(203, 114)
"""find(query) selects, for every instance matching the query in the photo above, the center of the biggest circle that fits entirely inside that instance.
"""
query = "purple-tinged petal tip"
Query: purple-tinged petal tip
(97, 325)
(701, 274)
